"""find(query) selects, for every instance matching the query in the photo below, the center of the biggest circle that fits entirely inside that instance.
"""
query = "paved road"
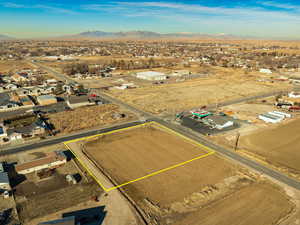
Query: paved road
(228, 153)
(180, 129)
(64, 139)
(56, 74)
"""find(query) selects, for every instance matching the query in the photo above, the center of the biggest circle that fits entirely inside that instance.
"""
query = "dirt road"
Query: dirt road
(118, 209)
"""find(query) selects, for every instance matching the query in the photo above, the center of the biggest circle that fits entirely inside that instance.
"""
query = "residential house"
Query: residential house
(52, 160)
(4, 182)
(46, 100)
(64, 221)
(79, 101)
(6, 102)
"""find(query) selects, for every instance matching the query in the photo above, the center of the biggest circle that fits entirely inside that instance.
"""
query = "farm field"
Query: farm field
(276, 145)
(171, 98)
(172, 196)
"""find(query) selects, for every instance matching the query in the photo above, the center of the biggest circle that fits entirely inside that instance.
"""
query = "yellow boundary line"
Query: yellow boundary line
(210, 152)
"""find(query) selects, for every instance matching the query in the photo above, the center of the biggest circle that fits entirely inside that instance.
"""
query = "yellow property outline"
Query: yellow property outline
(209, 150)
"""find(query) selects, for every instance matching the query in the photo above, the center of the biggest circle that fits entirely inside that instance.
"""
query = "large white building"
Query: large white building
(151, 75)
(267, 71)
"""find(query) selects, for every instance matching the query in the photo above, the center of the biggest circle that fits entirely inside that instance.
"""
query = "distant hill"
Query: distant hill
(150, 35)
(5, 37)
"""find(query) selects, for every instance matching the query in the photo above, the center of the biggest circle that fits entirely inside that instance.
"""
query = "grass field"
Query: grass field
(278, 145)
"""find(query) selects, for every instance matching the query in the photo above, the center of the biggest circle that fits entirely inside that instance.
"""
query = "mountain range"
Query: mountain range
(150, 35)
(5, 37)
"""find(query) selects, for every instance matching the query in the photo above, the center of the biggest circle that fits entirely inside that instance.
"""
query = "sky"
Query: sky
(50, 18)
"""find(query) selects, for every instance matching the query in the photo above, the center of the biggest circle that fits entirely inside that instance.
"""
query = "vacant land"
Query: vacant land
(278, 145)
(70, 121)
(259, 204)
(182, 193)
(13, 66)
(170, 98)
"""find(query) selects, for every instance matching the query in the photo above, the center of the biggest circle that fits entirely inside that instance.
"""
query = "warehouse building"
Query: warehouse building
(52, 160)
(46, 100)
(268, 118)
(151, 75)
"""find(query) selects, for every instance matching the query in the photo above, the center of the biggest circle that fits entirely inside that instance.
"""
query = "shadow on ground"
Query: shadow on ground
(90, 216)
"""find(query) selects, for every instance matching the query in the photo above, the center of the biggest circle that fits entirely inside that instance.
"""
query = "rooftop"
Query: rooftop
(65, 221)
(51, 157)
(4, 178)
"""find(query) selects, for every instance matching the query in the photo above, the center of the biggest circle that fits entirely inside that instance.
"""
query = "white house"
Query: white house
(267, 71)
(151, 75)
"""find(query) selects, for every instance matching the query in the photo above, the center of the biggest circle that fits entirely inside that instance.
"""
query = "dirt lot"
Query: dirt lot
(12, 66)
(278, 145)
(243, 207)
(69, 121)
(175, 195)
(225, 85)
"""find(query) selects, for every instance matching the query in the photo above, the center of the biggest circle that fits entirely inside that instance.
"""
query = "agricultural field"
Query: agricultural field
(183, 193)
(276, 145)
(68, 121)
(225, 85)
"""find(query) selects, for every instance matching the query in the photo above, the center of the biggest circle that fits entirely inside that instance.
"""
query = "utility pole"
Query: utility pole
(237, 141)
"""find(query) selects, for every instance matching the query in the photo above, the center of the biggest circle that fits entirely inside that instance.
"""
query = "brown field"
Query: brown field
(184, 193)
(170, 98)
(13, 66)
(250, 205)
(67, 122)
(278, 145)
(160, 150)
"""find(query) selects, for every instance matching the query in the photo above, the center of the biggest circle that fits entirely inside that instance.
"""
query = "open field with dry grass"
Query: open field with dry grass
(278, 145)
(70, 121)
(169, 98)
(13, 66)
(250, 205)
(180, 195)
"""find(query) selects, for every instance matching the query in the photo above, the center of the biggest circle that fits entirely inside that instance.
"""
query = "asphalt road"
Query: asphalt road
(58, 107)
(58, 140)
(182, 130)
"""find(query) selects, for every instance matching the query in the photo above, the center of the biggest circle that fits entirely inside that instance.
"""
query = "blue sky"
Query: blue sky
(262, 18)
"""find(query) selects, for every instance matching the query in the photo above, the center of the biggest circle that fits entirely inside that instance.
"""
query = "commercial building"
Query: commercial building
(267, 71)
(46, 100)
(270, 118)
(218, 122)
(294, 95)
(52, 160)
(151, 75)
